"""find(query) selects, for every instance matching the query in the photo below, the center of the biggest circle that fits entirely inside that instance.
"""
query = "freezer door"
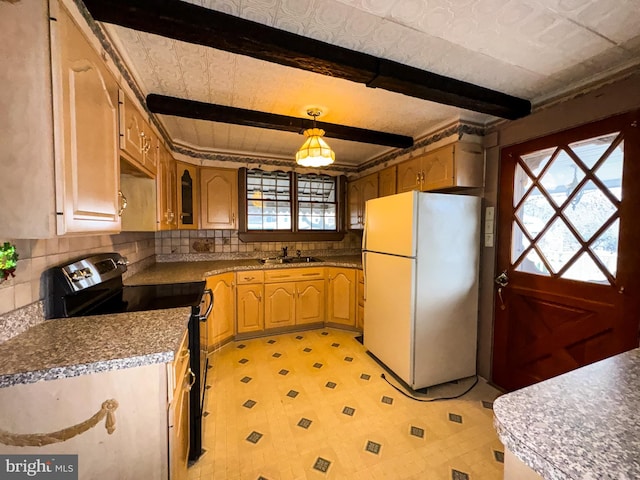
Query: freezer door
(390, 225)
(389, 311)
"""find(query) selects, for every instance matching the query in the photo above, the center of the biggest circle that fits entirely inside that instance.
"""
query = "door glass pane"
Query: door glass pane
(561, 178)
(589, 210)
(586, 270)
(519, 242)
(558, 245)
(521, 184)
(532, 263)
(536, 161)
(535, 212)
(610, 171)
(606, 247)
(592, 149)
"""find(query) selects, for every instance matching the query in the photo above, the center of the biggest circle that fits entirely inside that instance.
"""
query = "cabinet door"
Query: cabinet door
(249, 307)
(179, 428)
(387, 181)
(369, 191)
(166, 185)
(187, 178)
(221, 319)
(341, 298)
(438, 167)
(353, 204)
(408, 176)
(279, 304)
(87, 187)
(218, 198)
(310, 300)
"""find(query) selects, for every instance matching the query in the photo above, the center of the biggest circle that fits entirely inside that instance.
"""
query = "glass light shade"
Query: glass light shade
(315, 152)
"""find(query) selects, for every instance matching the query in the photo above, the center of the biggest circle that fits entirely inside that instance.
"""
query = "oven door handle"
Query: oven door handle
(208, 293)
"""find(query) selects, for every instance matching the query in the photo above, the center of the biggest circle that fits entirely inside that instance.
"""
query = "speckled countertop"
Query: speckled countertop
(581, 425)
(177, 272)
(77, 346)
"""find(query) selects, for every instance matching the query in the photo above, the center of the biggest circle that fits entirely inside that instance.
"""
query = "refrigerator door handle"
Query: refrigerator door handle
(364, 274)
(364, 229)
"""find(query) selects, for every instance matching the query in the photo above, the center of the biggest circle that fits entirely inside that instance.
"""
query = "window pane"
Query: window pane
(268, 200)
(316, 202)
(561, 178)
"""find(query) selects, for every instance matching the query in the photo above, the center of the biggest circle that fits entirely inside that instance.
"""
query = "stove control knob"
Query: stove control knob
(77, 275)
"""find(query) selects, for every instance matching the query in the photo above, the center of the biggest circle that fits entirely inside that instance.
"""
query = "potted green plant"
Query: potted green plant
(8, 261)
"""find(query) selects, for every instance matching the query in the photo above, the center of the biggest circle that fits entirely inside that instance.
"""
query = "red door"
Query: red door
(568, 237)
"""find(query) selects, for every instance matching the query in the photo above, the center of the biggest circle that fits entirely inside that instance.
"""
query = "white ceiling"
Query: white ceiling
(534, 49)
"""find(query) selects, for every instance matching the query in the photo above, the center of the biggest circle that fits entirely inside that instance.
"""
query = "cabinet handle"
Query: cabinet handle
(193, 379)
(417, 178)
(259, 297)
(422, 176)
(123, 203)
(233, 218)
(310, 274)
(248, 279)
(185, 353)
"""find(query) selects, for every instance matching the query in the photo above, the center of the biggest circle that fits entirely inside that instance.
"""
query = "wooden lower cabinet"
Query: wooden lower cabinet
(221, 321)
(310, 302)
(179, 385)
(250, 311)
(293, 297)
(279, 304)
(341, 296)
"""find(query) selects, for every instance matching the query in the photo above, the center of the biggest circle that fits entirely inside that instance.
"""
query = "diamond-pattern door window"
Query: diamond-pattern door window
(565, 218)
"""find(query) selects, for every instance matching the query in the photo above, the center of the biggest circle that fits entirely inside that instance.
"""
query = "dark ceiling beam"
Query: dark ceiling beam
(179, 107)
(195, 24)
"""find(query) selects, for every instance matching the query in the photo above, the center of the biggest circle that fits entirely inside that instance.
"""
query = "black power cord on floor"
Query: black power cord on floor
(475, 382)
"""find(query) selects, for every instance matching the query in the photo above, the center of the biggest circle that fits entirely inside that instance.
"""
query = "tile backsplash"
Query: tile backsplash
(206, 242)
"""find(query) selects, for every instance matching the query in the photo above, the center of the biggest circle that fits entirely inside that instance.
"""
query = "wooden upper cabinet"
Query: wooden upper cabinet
(218, 198)
(358, 192)
(138, 143)
(387, 181)
(454, 166)
(409, 174)
(87, 191)
(188, 200)
(167, 188)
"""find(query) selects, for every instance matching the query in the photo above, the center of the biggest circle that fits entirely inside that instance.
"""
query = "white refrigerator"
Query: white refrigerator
(420, 261)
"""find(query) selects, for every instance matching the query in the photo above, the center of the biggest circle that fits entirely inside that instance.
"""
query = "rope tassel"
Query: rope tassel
(108, 409)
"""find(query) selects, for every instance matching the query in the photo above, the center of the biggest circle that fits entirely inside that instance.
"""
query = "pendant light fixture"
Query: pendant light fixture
(314, 152)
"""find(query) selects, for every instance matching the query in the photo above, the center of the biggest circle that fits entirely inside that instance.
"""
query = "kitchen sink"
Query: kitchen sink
(276, 260)
(301, 259)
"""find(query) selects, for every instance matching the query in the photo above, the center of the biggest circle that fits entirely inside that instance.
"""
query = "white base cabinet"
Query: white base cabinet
(136, 449)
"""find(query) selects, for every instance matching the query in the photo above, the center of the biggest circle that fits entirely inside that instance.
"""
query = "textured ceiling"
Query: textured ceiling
(534, 49)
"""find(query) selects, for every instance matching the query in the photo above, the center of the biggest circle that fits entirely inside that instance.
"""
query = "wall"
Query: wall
(35, 256)
(606, 101)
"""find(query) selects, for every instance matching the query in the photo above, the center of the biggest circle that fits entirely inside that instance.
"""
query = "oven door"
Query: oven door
(198, 331)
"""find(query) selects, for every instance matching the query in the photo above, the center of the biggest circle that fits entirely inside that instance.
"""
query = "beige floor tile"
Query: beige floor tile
(308, 382)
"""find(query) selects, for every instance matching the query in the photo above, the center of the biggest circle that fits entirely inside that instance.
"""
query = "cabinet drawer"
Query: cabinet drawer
(293, 274)
(252, 276)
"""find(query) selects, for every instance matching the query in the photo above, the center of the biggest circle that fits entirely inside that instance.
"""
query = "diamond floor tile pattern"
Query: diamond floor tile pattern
(267, 424)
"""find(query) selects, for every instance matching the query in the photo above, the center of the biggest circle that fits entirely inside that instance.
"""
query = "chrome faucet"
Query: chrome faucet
(284, 252)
